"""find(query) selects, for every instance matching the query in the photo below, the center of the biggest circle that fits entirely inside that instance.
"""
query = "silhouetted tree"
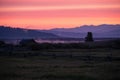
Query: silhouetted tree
(89, 37)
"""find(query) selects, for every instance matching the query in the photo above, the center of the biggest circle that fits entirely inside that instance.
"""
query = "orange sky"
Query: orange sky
(47, 14)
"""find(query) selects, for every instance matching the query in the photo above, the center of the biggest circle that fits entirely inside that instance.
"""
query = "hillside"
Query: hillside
(18, 33)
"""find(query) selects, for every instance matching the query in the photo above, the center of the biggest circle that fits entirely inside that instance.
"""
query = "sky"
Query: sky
(47, 14)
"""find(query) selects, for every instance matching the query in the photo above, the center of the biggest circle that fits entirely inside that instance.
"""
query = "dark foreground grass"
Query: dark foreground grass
(60, 68)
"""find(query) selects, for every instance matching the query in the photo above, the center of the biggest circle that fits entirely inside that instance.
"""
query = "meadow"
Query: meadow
(61, 64)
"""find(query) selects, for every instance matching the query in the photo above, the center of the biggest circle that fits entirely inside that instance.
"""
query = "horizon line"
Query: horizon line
(56, 27)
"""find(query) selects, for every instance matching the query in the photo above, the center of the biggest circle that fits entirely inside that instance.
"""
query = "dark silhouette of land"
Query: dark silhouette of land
(72, 61)
(30, 60)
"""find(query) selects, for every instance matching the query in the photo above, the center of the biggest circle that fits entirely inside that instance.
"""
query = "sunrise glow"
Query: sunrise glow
(47, 14)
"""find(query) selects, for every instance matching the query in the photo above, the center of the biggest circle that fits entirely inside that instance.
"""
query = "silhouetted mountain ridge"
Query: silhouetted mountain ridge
(100, 31)
(19, 33)
(86, 28)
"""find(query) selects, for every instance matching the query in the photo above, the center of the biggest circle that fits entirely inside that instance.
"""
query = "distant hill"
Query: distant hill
(18, 33)
(100, 31)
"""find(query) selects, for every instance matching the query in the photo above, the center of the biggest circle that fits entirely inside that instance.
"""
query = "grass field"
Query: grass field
(61, 64)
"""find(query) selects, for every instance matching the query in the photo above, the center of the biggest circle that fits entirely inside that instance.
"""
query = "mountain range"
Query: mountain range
(100, 31)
